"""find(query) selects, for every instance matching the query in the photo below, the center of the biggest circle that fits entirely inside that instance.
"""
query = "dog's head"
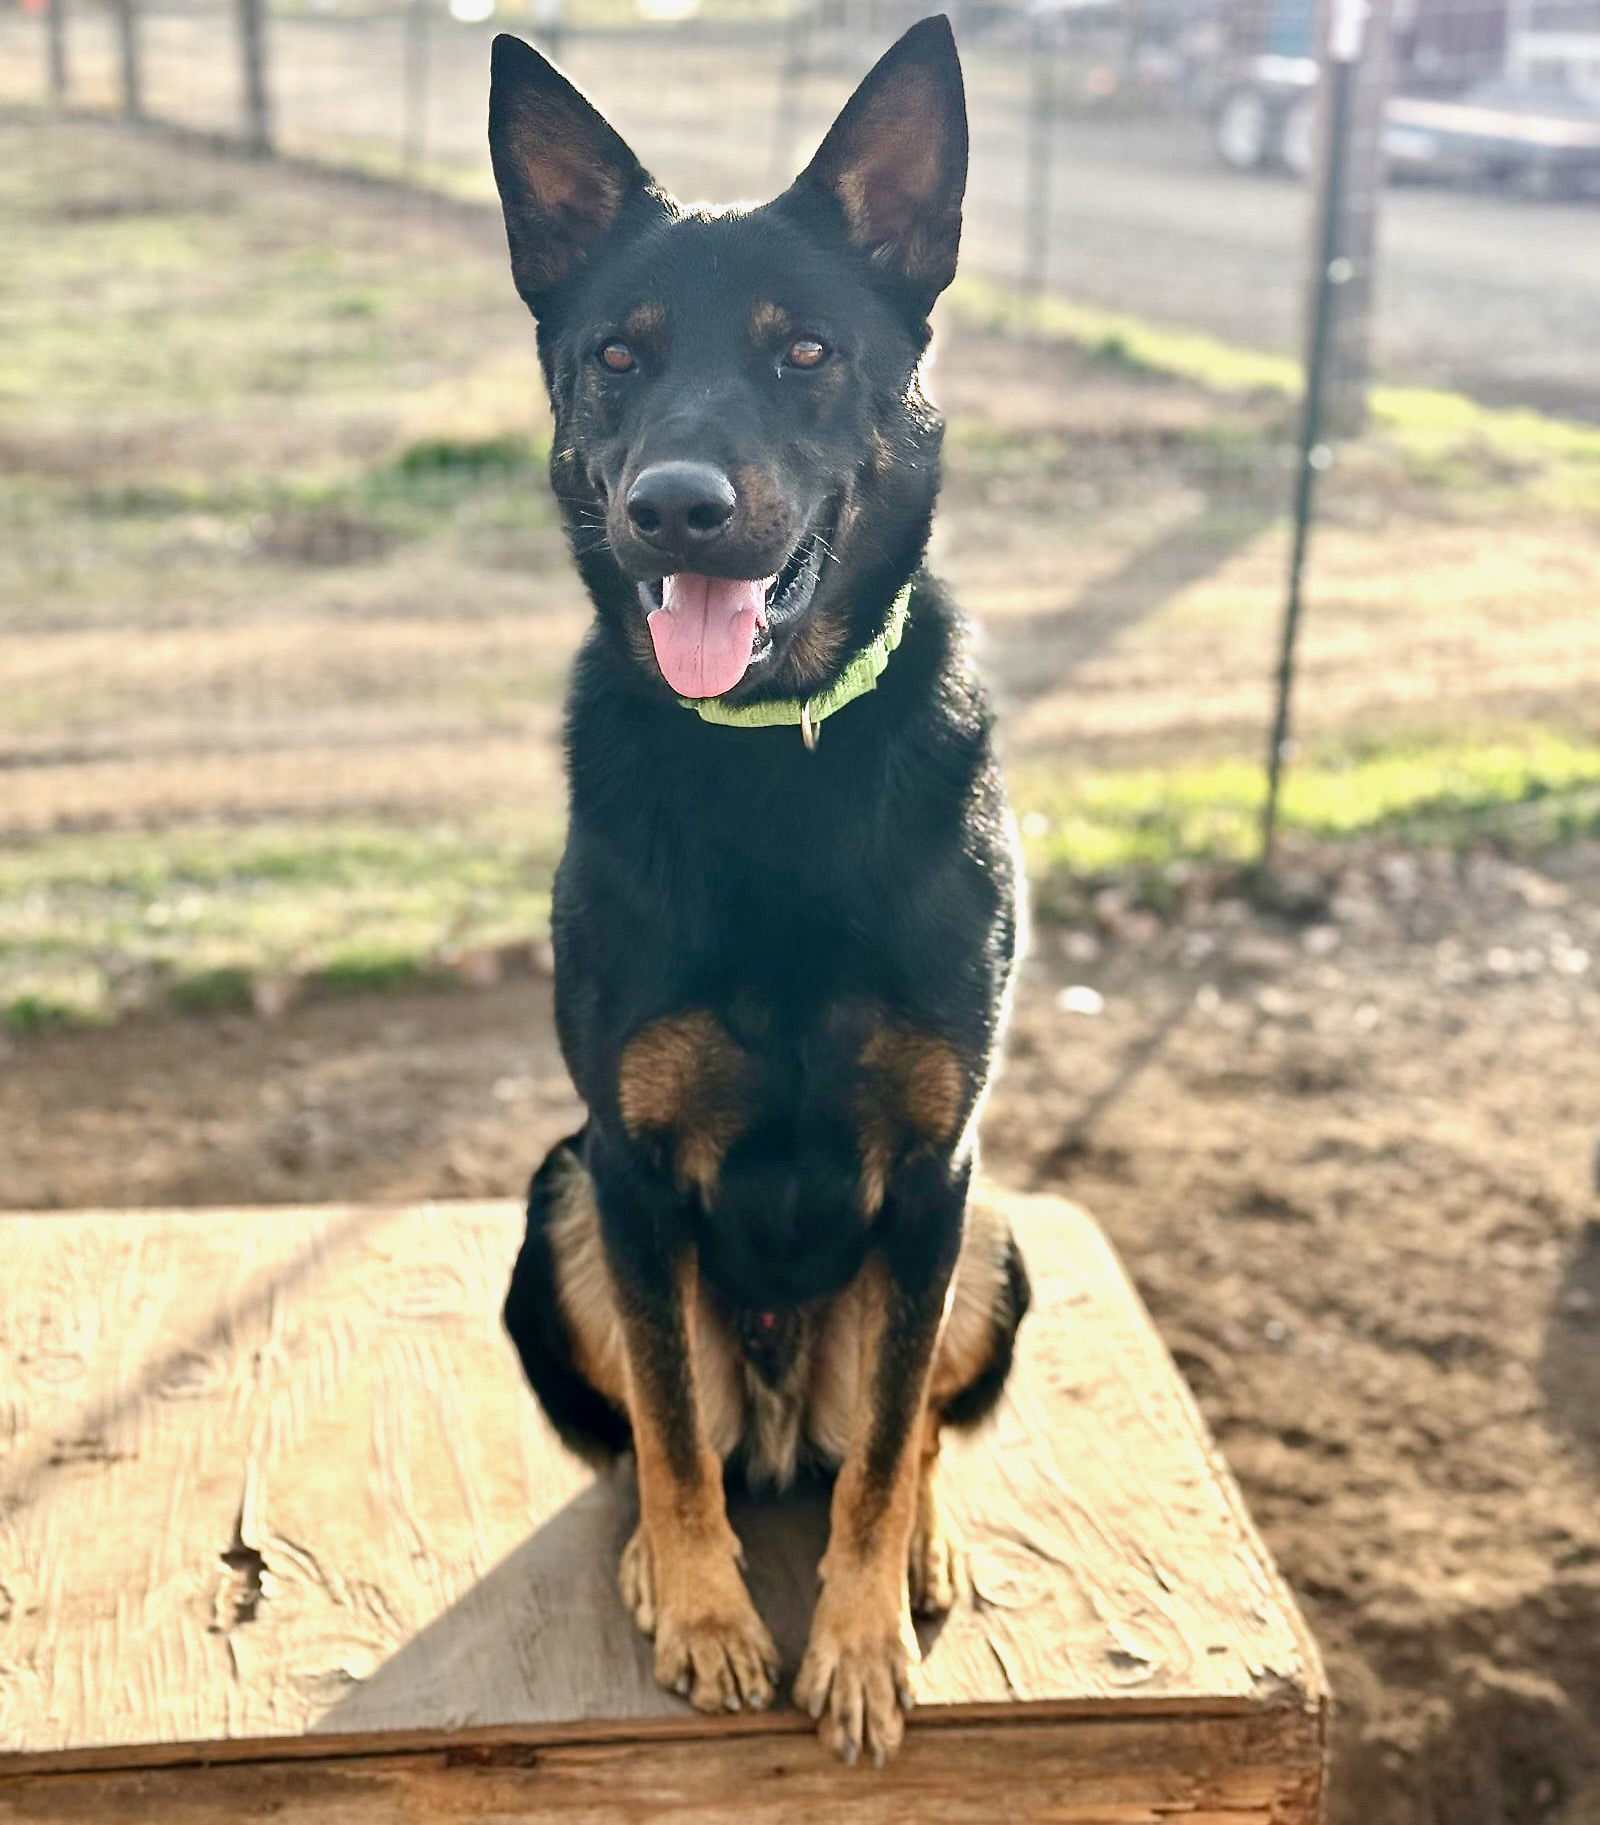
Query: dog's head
(745, 460)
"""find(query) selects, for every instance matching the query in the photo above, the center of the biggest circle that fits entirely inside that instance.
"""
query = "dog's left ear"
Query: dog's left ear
(564, 173)
(895, 161)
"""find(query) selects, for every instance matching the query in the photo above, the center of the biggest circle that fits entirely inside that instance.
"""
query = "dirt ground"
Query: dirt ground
(1348, 1160)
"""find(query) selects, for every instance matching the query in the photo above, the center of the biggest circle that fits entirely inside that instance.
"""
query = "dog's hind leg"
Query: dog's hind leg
(989, 1297)
(560, 1314)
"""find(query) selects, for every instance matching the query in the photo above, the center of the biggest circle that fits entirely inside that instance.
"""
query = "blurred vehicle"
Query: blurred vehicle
(1264, 117)
(1535, 139)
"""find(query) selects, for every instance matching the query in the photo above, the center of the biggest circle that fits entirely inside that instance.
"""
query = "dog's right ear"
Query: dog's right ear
(564, 174)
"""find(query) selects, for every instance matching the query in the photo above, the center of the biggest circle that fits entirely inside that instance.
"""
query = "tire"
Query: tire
(1297, 135)
(1242, 130)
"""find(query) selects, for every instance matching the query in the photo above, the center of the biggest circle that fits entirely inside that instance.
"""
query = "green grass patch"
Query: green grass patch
(1088, 825)
(92, 925)
(374, 971)
(1125, 341)
(1508, 457)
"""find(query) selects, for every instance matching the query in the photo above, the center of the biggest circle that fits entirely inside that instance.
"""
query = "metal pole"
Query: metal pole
(414, 133)
(253, 64)
(1333, 270)
(127, 13)
(1041, 158)
(55, 39)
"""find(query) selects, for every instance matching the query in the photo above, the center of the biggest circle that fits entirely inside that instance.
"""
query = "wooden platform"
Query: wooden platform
(282, 1535)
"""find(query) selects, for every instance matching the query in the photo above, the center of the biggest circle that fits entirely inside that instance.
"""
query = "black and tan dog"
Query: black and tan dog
(785, 919)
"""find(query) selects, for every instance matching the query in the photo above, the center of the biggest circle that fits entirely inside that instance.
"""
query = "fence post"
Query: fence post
(1330, 274)
(129, 59)
(414, 128)
(55, 50)
(1349, 356)
(1041, 158)
(253, 71)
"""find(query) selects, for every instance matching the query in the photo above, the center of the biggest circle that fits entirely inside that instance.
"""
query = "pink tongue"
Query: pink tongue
(704, 630)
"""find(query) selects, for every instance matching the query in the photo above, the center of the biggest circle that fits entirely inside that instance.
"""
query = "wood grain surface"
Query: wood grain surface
(271, 1488)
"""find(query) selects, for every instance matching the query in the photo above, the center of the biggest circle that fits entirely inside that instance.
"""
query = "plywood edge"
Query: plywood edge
(485, 1739)
(1257, 1769)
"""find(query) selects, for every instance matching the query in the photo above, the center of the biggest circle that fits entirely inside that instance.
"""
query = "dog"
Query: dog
(787, 912)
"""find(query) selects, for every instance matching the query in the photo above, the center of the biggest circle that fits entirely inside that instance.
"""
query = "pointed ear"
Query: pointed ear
(895, 161)
(563, 172)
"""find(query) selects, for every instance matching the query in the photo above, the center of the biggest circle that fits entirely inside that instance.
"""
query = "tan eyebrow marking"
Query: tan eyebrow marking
(768, 322)
(647, 322)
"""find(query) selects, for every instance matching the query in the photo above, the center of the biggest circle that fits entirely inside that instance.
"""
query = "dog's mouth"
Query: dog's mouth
(709, 632)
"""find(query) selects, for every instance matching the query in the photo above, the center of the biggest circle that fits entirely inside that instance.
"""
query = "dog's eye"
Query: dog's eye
(806, 352)
(616, 357)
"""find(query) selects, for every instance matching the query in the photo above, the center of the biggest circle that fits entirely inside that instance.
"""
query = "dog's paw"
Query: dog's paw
(719, 1662)
(712, 1649)
(856, 1678)
(934, 1565)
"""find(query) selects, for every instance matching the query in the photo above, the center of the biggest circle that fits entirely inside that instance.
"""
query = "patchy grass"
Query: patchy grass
(1091, 824)
(1123, 340)
(90, 925)
(278, 549)
(1513, 459)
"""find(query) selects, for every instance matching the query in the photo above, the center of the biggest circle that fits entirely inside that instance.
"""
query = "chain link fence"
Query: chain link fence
(1142, 155)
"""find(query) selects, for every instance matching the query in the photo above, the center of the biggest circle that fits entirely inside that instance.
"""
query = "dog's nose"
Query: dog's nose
(678, 506)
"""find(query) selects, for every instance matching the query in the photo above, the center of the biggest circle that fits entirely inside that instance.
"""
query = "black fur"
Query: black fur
(803, 897)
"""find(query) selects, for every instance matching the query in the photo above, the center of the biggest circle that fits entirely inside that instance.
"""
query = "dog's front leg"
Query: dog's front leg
(680, 1572)
(855, 1678)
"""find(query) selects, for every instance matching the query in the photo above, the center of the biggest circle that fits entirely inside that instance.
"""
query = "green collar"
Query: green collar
(857, 678)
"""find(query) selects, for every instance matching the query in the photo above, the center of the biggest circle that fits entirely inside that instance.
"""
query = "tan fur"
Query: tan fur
(977, 1289)
(855, 1675)
(769, 323)
(825, 1400)
(589, 1305)
(881, 191)
(914, 1090)
(583, 1286)
(567, 188)
(762, 502)
(814, 651)
(836, 1397)
(646, 324)
(682, 1076)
